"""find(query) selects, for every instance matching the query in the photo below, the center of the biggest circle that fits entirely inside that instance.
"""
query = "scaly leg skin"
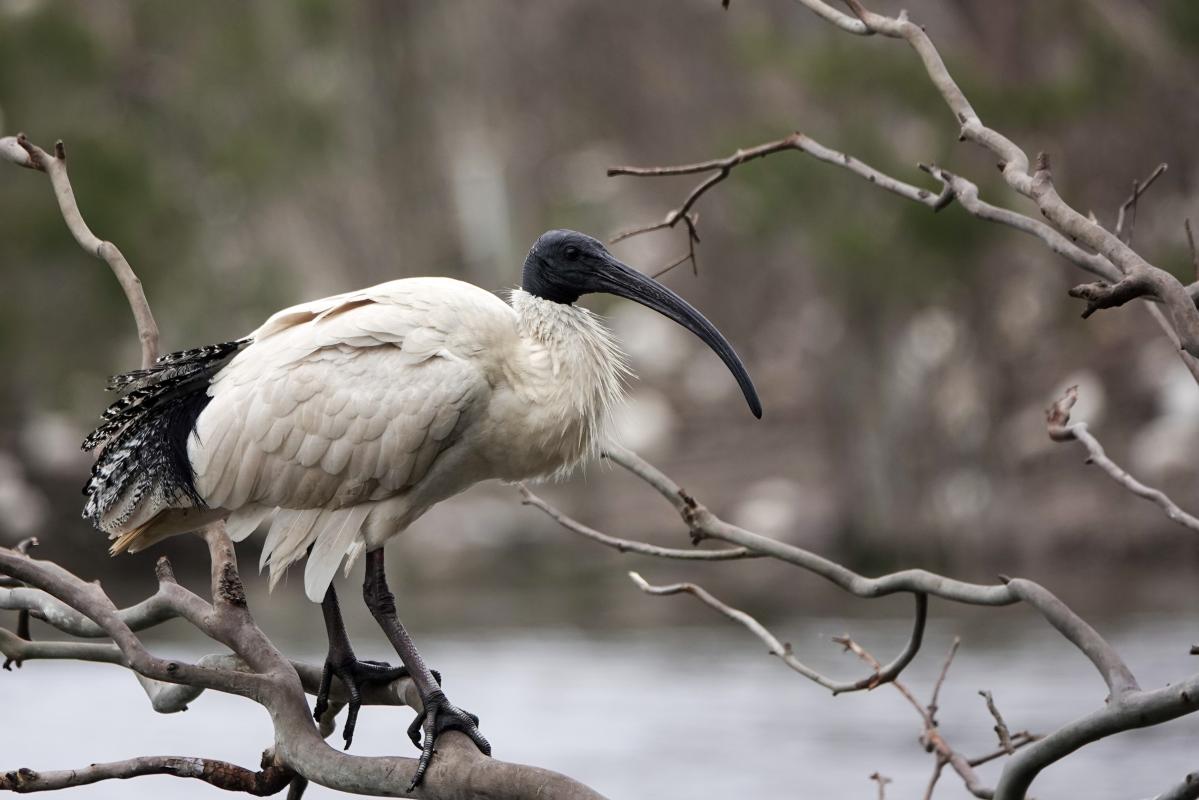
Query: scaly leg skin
(438, 714)
(342, 663)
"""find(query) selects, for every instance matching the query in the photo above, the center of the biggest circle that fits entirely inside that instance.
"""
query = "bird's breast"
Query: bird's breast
(558, 385)
(533, 434)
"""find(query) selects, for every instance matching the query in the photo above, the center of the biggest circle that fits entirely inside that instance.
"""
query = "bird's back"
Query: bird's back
(332, 411)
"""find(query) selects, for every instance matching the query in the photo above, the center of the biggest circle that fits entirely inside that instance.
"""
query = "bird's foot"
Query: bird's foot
(440, 715)
(354, 675)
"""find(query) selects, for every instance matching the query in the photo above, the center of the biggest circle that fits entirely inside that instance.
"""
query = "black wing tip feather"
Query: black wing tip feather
(144, 432)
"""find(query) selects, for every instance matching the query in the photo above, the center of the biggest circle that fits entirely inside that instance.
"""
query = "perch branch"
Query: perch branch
(23, 547)
(259, 672)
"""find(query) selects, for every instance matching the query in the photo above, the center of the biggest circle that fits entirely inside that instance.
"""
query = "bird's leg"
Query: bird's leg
(438, 714)
(342, 662)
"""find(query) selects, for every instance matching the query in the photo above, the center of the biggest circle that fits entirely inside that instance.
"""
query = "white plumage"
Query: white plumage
(348, 417)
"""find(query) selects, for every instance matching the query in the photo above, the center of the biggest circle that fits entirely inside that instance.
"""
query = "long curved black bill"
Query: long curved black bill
(624, 281)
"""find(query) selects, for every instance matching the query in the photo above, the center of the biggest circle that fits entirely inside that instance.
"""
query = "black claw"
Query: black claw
(354, 675)
(322, 693)
(440, 716)
(414, 730)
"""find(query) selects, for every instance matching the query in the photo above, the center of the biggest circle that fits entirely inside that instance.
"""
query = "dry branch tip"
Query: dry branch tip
(1057, 417)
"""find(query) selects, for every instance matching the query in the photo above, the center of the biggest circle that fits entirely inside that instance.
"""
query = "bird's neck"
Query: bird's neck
(571, 362)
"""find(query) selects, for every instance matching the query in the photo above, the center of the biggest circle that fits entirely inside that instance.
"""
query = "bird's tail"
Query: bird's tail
(142, 468)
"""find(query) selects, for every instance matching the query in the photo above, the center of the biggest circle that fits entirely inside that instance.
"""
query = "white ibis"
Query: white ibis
(347, 418)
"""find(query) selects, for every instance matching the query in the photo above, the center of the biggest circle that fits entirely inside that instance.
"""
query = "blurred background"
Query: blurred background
(246, 156)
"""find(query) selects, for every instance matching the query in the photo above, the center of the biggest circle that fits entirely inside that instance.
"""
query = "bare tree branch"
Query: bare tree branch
(932, 739)
(1128, 209)
(1062, 430)
(938, 768)
(1134, 277)
(23, 547)
(882, 781)
(1039, 187)
(260, 673)
(932, 703)
(1188, 789)
(721, 168)
(623, 545)
(1001, 729)
(1018, 740)
(1191, 244)
(223, 775)
(783, 650)
(1126, 707)
(19, 150)
(703, 524)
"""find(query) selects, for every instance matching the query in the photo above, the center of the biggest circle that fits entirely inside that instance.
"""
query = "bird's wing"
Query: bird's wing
(340, 402)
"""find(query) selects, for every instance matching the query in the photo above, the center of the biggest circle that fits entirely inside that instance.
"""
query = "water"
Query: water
(689, 713)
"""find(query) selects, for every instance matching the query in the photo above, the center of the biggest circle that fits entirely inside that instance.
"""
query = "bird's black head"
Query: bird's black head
(564, 265)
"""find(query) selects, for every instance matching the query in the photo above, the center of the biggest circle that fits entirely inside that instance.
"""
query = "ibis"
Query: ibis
(344, 419)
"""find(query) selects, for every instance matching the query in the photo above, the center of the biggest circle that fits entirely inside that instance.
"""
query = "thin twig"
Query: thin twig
(629, 545)
(1191, 244)
(1018, 740)
(1129, 206)
(1062, 430)
(932, 703)
(1001, 729)
(938, 768)
(882, 781)
(783, 651)
(931, 736)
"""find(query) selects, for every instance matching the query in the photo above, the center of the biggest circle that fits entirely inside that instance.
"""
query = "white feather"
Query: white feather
(333, 542)
(245, 520)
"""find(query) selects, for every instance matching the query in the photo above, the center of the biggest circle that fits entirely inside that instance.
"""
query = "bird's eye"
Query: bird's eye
(571, 252)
